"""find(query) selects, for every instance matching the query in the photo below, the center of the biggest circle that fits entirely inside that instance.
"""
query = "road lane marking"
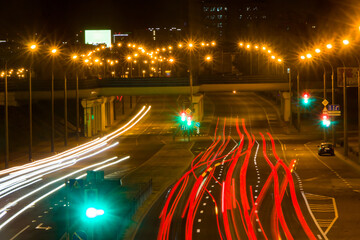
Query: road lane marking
(43, 228)
(21, 231)
(322, 205)
(313, 217)
(332, 170)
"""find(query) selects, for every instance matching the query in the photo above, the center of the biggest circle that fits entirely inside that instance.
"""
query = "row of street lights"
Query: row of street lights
(260, 49)
(319, 54)
(33, 48)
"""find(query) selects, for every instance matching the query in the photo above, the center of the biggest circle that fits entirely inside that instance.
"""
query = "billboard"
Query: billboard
(95, 37)
(351, 75)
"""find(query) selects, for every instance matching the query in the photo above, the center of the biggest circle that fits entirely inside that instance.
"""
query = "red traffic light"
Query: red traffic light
(183, 116)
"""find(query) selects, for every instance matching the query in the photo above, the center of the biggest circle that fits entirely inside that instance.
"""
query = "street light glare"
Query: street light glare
(329, 46)
(308, 55)
(241, 44)
(74, 56)
(302, 57)
(53, 51)
(279, 60)
(317, 50)
(191, 45)
(273, 57)
(208, 58)
(33, 47)
(248, 46)
(346, 42)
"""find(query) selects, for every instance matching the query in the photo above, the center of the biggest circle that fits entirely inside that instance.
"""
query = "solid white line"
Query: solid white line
(21, 231)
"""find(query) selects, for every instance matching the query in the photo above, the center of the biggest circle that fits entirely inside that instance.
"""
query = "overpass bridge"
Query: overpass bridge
(90, 88)
(98, 95)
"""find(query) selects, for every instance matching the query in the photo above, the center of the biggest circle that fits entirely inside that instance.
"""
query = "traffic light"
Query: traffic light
(93, 212)
(92, 204)
(189, 121)
(325, 120)
(183, 116)
(306, 97)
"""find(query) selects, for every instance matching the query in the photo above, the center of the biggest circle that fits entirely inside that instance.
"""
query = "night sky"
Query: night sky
(74, 15)
(65, 17)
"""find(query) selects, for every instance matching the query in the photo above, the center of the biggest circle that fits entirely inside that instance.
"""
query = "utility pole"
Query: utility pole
(65, 112)
(345, 116)
(6, 120)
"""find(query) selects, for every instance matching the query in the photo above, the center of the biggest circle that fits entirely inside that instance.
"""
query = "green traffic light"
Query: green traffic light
(93, 212)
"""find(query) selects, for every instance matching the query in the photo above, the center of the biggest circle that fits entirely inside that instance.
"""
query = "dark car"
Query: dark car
(326, 148)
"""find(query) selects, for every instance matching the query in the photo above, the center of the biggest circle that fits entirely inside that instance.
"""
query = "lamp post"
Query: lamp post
(191, 47)
(74, 58)
(6, 120)
(33, 48)
(65, 111)
(53, 52)
(209, 59)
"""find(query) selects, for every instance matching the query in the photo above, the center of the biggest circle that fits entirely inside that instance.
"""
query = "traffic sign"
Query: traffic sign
(76, 183)
(333, 107)
(325, 102)
(325, 111)
(334, 113)
(197, 124)
(188, 111)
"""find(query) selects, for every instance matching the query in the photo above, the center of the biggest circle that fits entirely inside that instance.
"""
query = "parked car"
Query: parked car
(326, 148)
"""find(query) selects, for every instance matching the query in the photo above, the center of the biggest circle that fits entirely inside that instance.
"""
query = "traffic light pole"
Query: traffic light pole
(345, 116)
(333, 102)
(358, 75)
(290, 95)
(298, 99)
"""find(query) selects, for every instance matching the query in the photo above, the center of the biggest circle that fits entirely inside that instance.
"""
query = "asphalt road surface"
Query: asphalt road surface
(255, 179)
(29, 204)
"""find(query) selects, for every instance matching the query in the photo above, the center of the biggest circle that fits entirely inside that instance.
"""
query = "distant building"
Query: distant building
(158, 35)
(215, 17)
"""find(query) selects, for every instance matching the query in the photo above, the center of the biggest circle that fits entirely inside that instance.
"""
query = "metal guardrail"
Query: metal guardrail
(137, 201)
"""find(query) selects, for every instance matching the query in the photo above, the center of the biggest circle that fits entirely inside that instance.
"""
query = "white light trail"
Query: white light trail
(54, 190)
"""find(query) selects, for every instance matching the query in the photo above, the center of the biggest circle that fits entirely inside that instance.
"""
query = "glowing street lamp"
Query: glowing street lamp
(346, 42)
(308, 55)
(317, 50)
(53, 52)
(329, 46)
(302, 57)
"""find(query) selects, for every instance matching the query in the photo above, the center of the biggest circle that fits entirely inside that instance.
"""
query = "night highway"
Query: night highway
(180, 120)
(254, 182)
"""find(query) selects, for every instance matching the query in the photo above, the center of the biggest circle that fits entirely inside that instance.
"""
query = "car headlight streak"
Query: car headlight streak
(20, 177)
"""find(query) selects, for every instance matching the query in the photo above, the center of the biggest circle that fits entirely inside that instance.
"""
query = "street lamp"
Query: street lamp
(33, 47)
(53, 52)
(129, 59)
(74, 59)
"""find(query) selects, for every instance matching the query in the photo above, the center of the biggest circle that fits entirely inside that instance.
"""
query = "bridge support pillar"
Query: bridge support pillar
(198, 107)
(285, 106)
(98, 114)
